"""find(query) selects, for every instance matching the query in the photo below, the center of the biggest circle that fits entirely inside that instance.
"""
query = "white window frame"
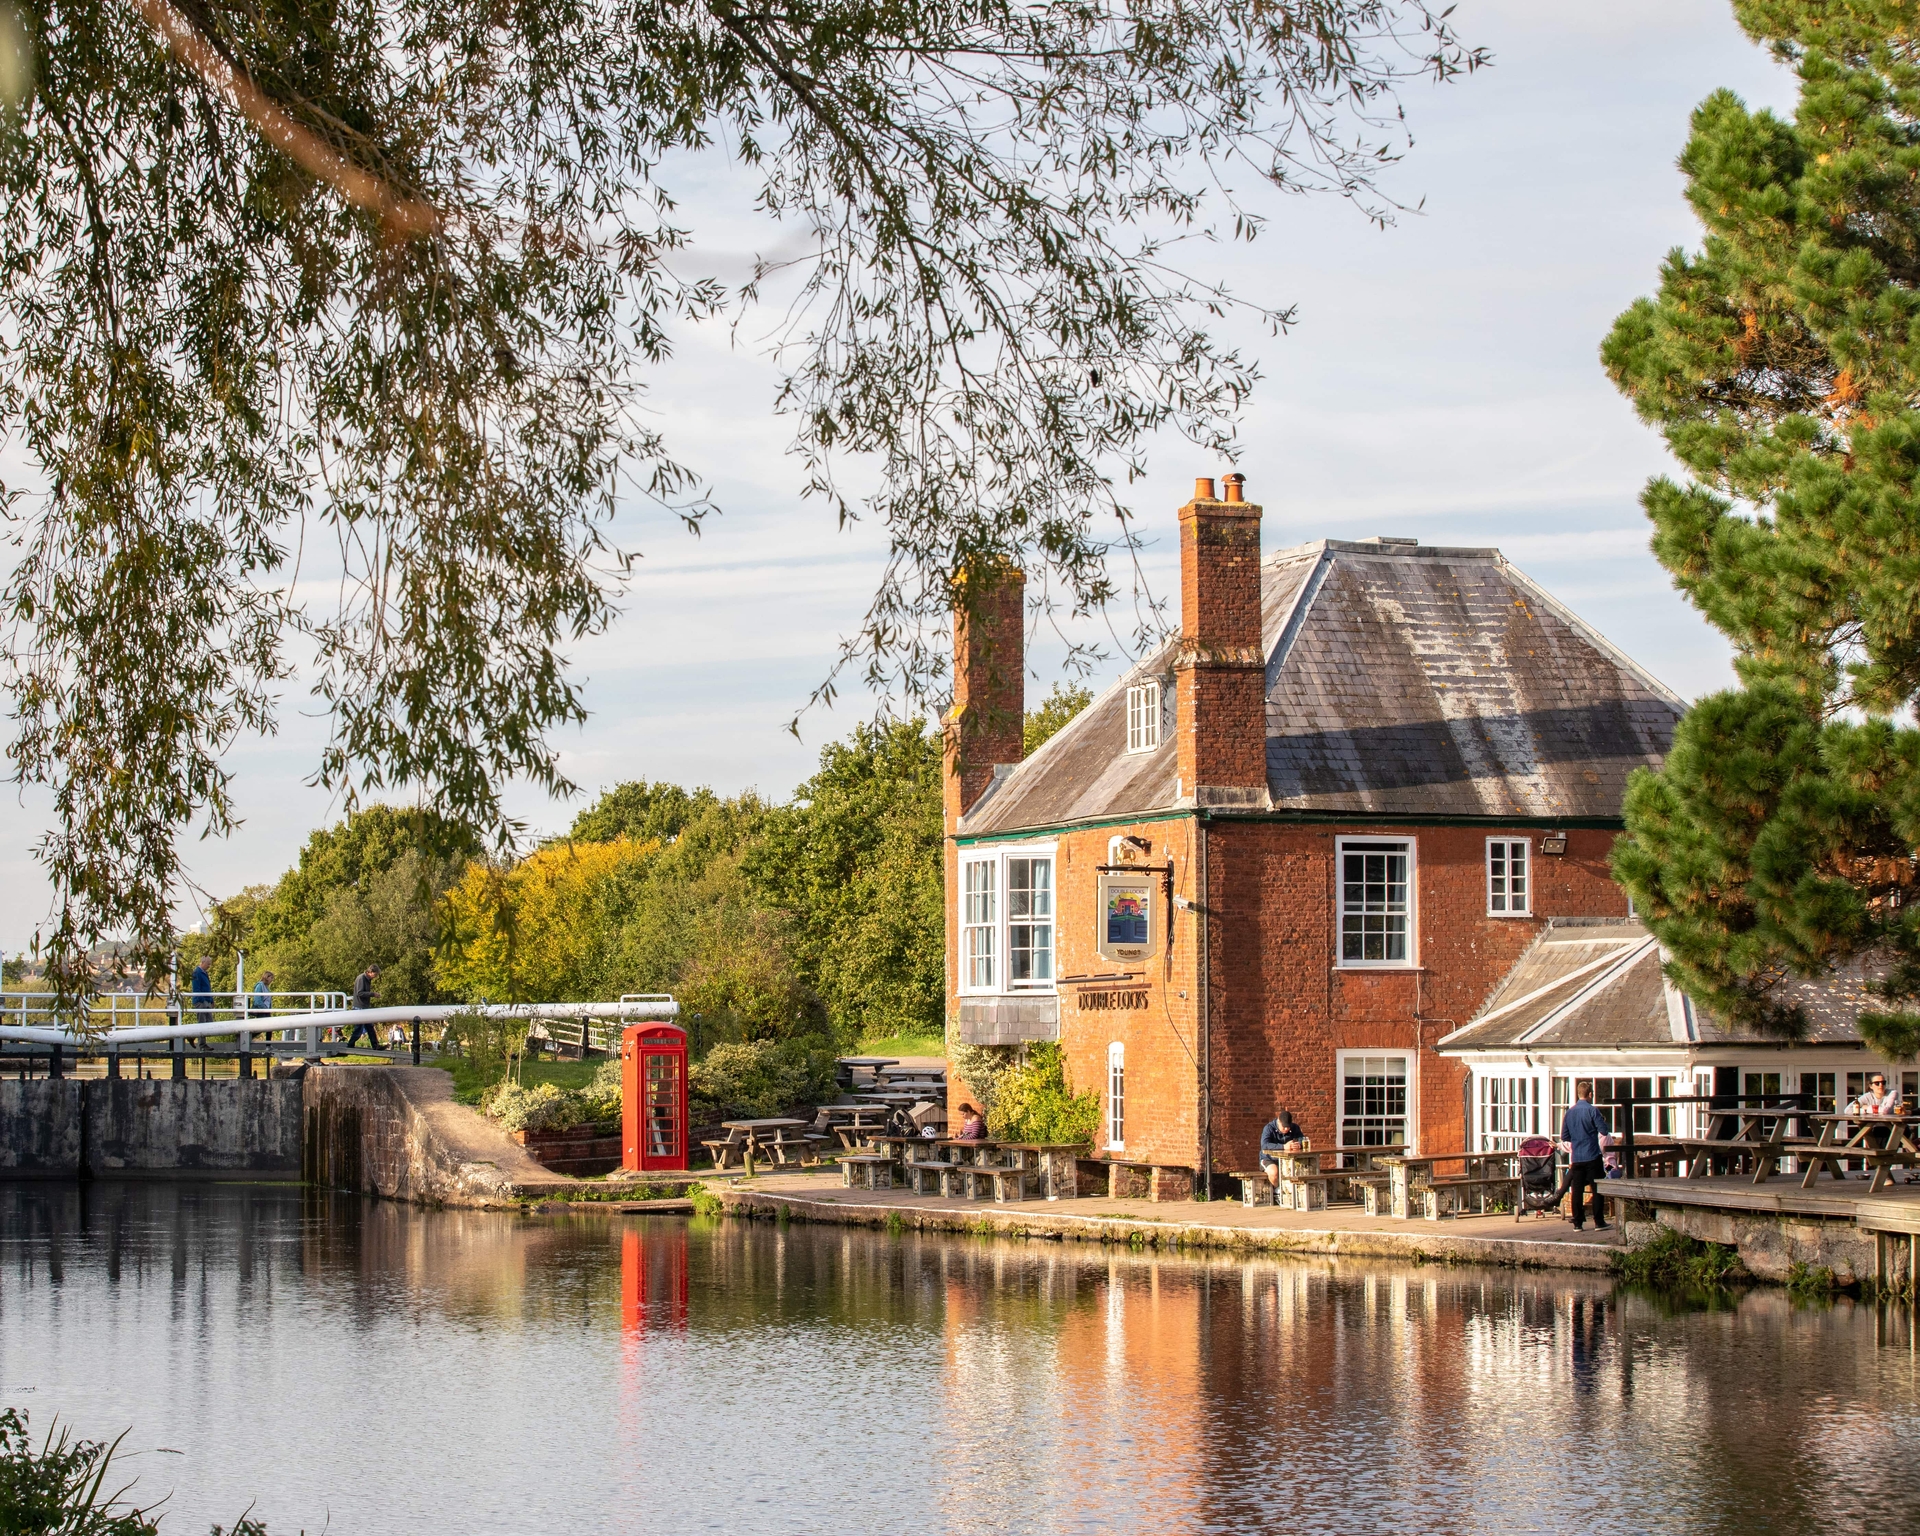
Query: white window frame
(997, 929)
(1116, 1096)
(1143, 715)
(1508, 1106)
(1500, 896)
(1411, 847)
(980, 921)
(1411, 1119)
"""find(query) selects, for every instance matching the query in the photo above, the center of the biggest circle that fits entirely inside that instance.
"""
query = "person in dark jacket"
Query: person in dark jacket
(1280, 1134)
(363, 998)
(202, 988)
(1582, 1130)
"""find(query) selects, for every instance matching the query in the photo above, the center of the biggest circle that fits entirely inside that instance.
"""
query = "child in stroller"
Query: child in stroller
(1540, 1186)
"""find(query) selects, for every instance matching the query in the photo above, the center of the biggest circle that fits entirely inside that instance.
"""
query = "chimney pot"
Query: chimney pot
(1235, 485)
(1203, 488)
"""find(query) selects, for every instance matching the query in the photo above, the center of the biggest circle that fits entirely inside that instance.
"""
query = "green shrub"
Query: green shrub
(1034, 1102)
(1812, 1281)
(982, 1069)
(546, 1107)
(1674, 1261)
(759, 1079)
(62, 1487)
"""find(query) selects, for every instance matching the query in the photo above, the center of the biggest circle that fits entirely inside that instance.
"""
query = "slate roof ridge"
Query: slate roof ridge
(1586, 631)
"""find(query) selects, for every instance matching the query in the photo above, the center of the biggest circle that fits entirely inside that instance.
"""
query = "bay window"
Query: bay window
(1006, 920)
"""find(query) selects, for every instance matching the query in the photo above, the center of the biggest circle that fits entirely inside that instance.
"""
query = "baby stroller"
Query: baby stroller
(1540, 1188)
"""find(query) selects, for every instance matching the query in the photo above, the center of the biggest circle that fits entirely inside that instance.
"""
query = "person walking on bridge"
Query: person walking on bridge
(202, 986)
(363, 998)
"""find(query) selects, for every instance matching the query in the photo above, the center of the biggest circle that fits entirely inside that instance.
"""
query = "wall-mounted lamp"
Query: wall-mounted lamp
(1554, 842)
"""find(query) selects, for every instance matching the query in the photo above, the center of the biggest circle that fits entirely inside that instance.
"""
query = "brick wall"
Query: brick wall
(1281, 1008)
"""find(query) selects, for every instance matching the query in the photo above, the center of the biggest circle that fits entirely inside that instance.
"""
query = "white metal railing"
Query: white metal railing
(30, 1017)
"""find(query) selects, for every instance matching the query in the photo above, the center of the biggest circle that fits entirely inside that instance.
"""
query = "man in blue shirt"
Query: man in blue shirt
(1278, 1135)
(1581, 1131)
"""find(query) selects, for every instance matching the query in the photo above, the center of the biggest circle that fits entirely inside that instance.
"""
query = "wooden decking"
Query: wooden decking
(1895, 1209)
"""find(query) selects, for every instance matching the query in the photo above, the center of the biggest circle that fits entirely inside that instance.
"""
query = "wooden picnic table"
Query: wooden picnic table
(768, 1139)
(1057, 1164)
(1736, 1131)
(1845, 1137)
(1410, 1177)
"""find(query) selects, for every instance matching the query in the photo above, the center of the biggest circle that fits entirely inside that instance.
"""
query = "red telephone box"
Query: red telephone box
(653, 1097)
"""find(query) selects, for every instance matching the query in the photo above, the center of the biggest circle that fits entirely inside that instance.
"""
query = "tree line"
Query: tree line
(817, 918)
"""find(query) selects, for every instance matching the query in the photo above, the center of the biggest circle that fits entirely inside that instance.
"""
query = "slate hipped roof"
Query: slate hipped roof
(1401, 680)
(1596, 983)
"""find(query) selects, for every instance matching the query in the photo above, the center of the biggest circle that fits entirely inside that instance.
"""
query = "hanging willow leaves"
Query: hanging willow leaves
(386, 279)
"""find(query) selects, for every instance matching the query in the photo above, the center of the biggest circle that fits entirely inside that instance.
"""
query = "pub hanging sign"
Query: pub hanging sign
(1129, 923)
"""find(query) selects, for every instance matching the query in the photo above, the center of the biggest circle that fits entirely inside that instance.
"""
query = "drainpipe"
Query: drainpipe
(1203, 957)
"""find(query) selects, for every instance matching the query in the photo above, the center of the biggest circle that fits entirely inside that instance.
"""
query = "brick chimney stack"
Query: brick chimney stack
(987, 724)
(1220, 665)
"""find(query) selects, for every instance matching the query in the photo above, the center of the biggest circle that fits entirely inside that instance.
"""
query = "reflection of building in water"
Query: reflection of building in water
(1116, 1438)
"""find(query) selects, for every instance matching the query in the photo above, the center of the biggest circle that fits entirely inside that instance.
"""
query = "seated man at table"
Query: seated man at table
(1278, 1135)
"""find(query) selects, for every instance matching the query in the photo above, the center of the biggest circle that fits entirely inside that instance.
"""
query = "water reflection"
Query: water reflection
(397, 1370)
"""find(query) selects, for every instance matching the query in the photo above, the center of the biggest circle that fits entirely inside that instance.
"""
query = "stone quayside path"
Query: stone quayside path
(1549, 1243)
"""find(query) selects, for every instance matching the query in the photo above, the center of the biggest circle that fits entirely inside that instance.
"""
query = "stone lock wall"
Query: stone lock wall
(128, 1127)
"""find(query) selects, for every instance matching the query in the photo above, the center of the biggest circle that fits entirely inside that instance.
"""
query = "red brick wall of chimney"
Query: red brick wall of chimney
(1220, 666)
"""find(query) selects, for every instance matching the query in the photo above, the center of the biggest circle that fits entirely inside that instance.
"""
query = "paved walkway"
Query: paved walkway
(1546, 1243)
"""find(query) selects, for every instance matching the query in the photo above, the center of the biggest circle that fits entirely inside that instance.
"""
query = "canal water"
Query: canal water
(359, 1367)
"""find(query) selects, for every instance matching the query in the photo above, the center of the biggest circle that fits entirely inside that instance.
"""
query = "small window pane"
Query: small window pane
(1143, 717)
(1507, 876)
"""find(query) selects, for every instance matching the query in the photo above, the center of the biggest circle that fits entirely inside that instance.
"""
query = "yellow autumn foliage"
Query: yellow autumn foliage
(534, 932)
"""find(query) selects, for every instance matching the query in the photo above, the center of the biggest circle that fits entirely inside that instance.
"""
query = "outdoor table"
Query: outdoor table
(1732, 1129)
(954, 1149)
(1056, 1162)
(768, 1136)
(847, 1067)
(1410, 1174)
(1844, 1136)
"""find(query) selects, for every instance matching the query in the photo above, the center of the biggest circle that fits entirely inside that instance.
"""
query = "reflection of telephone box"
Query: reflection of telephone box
(653, 1097)
(1128, 930)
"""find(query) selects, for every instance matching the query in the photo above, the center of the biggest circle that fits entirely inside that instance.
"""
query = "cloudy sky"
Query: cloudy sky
(1441, 382)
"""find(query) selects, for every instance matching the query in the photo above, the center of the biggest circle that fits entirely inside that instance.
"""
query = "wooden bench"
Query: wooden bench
(1702, 1155)
(995, 1181)
(937, 1172)
(1444, 1197)
(867, 1170)
(1878, 1161)
(1373, 1191)
(1254, 1188)
(1308, 1191)
(729, 1150)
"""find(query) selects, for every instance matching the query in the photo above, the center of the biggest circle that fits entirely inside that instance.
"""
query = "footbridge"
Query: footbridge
(290, 1024)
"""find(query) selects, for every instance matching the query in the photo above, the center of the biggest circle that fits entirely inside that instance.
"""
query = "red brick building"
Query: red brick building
(1280, 859)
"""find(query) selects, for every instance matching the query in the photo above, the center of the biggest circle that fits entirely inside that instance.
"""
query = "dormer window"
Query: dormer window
(1143, 716)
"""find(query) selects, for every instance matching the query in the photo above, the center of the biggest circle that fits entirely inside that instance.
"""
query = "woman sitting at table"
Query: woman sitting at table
(1877, 1100)
(973, 1124)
